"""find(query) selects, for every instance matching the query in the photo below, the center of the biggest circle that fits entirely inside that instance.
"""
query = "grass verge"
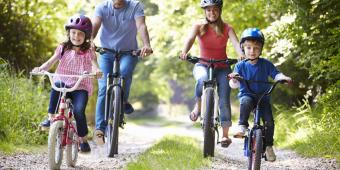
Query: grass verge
(171, 152)
(301, 130)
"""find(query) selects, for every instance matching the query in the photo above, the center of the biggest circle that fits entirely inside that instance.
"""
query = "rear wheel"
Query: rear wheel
(256, 150)
(112, 131)
(208, 124)
(55, 148)
(72, 147)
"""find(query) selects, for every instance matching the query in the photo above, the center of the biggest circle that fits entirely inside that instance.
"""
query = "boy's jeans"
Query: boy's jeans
(79, 101)
(200, 73)
(127, 66)
(247, 104)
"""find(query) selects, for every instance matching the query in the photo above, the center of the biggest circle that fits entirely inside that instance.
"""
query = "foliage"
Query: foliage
(312, 131)
(302, 39)
(171, 153)
(22, 107)
(314, 36)
(25, 28)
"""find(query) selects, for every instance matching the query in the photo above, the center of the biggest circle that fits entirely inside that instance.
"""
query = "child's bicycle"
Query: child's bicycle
(114, 116)
(254, 139)
(209, 108)
(63, 130)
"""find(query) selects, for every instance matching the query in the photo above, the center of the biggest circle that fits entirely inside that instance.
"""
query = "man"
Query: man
(119, 20)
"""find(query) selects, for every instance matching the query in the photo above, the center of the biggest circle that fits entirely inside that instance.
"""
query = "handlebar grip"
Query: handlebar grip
(282, 81)
(192, 59)
(231, 61)
(37, 73)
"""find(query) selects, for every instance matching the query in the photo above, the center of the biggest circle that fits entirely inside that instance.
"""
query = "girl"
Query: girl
(213, 35)
(75, 57)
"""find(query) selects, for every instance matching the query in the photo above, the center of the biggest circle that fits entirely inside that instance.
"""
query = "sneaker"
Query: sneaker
(45, 125)
(128, 109)
(241, 131)
(85, 147)
(271, 157)
(98, 137)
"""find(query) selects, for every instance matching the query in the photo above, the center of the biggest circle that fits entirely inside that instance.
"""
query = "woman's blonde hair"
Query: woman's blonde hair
(218, 27)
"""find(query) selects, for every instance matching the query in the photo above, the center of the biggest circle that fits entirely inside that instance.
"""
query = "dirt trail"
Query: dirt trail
(135, 139)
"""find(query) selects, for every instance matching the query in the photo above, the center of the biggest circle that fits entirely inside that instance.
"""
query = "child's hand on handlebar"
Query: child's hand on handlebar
(233, 75)
(36, 70)
(234, 83)
(98, 72)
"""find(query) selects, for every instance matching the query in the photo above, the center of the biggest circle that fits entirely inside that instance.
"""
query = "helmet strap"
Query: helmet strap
(210, 22)
(253, 59)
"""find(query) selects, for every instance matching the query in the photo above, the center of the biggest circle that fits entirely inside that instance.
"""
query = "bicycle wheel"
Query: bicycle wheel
(72, 146)
(208, 123)
(254, 159)
(113, 130)
(55, 148)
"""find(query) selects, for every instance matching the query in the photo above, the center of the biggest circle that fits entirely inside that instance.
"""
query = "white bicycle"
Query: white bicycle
(63, 131)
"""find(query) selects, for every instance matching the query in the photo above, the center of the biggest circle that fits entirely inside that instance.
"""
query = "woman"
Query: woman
(213, 35)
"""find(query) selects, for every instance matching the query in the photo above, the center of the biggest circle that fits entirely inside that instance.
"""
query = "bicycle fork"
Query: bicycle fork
(215, 116)
(112, 81)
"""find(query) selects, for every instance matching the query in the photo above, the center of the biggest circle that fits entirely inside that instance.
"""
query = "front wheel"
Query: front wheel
(55, 148)
(208, 123)
(72, 147)
(113, 123)
(256, 143)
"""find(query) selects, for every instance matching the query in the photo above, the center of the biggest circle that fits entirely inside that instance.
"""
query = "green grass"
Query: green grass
(171, 152)
(23, 105)
(300, 129)
(10, 148)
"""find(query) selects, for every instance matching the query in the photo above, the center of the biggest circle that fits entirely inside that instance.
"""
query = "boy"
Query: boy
(255, 69)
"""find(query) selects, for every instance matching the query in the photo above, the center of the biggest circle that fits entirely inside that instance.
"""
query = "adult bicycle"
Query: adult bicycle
(114, 115)
(63, 131)
(211, 116)
(254, 139)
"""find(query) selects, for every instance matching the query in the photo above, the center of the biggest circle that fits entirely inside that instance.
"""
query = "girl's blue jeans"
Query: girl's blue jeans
(127, 66)
(79, 101)
(247, 104)
(200, 73)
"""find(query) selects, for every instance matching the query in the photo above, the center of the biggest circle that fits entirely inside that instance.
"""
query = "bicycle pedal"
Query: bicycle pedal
(121, 124)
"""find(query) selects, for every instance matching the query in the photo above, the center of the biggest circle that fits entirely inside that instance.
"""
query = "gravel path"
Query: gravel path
(135, 139)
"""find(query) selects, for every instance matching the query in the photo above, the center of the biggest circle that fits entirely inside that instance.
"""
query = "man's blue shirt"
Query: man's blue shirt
(118, 30)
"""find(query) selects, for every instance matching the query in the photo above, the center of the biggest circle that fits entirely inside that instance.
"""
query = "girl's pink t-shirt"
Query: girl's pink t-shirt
(73, 63)
(213, 46)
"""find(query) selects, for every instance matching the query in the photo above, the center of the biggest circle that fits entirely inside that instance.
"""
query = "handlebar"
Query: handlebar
(194, 60)
(273, 84)
(64, 89)
(134, 53)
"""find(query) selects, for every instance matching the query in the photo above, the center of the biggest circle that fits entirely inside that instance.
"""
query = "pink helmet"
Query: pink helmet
(81, 23)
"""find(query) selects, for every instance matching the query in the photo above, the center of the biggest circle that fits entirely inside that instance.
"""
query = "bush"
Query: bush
(22, 107)
(312, 131)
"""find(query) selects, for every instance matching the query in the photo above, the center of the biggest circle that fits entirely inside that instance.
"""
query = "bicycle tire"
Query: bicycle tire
(55, 149)
(256, 150)
(208, 124)
(114, 126)
(72, 148)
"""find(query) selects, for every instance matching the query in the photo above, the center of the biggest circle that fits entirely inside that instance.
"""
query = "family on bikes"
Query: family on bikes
(118, 22)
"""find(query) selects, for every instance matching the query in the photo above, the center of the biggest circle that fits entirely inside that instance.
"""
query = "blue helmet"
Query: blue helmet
(252, 34)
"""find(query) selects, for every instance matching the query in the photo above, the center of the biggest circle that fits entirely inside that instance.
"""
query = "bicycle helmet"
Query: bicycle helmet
(206, 3)
(81, 23)
(252, 34)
